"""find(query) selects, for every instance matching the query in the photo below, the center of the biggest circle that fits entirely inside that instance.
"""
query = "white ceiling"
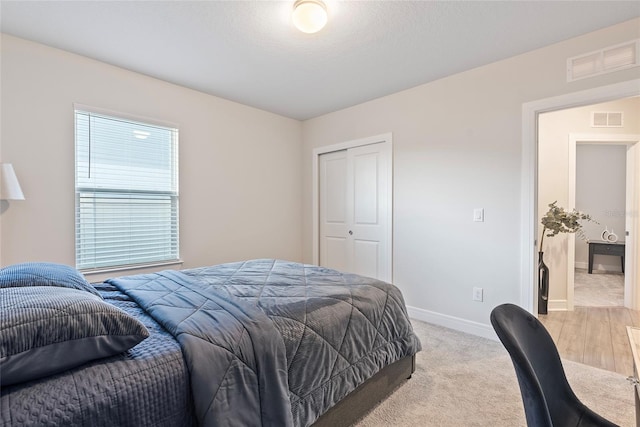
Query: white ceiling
(249, 52)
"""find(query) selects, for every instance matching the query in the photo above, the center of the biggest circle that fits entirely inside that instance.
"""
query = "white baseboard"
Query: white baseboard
(557, 305)
(451, 322)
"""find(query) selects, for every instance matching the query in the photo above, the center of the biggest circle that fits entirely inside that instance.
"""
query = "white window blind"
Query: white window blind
(126, 192)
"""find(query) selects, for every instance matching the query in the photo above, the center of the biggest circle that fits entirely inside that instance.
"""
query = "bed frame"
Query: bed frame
(367, 396)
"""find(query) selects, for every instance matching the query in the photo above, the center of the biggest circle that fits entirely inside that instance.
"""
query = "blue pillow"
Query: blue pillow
(45, 330)
(44, 274)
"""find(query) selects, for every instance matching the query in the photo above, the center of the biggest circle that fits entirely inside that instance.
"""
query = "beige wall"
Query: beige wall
(246, 181)
(240, 167)
(553, 178)
(457, 146)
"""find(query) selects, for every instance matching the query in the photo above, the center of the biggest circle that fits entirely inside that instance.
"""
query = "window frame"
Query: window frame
(145, 121)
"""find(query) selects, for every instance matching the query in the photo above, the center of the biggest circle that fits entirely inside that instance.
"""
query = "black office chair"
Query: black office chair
(547, 396)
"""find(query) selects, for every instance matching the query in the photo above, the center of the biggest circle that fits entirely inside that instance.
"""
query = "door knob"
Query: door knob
(350, 233)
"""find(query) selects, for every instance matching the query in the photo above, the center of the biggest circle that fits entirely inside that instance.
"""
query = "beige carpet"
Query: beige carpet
(599, 289)
(464, 380)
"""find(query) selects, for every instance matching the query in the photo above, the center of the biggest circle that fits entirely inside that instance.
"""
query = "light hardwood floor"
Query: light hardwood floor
(595, 336)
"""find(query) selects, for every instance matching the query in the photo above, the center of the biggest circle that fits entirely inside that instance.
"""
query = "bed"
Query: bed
(260, 342)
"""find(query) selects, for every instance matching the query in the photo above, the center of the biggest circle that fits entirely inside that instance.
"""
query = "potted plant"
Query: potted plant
(555, 221)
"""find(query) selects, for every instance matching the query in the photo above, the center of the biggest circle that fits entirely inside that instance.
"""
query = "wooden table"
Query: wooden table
(605, 248)
(634, 340)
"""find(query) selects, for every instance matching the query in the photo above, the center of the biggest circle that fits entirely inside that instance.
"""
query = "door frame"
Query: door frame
(529, 178)
(631, 269)
(387, 140)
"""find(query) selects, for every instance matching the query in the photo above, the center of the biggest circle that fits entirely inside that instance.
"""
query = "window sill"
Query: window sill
(101, 274)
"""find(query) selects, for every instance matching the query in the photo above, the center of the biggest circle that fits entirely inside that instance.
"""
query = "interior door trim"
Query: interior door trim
(529, 164)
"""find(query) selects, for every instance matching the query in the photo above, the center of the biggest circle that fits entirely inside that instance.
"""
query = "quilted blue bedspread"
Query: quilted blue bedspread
(275, 343)
(255, 343)
(146, 386)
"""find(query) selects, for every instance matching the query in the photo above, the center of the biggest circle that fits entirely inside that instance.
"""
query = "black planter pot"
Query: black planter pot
(543, 285)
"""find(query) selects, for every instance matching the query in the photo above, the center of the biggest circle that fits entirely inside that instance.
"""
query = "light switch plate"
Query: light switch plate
(478, 215)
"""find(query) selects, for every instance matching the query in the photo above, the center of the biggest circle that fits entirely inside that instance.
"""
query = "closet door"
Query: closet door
(354, 211)
(334, 215)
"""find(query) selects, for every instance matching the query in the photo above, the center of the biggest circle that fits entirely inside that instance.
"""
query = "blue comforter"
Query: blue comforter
(236, 358)
(275, 343)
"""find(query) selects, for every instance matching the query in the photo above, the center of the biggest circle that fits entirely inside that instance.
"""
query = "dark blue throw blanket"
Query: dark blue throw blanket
(235, 356)
(275, 343)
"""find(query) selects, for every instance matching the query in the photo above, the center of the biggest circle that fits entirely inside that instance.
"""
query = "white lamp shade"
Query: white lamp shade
(9, 186)
(309, 16)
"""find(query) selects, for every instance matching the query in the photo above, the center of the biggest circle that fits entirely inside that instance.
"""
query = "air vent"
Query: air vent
(607, 60)
(606, 119)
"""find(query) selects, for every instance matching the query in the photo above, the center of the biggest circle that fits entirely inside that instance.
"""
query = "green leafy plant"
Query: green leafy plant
(557, 220)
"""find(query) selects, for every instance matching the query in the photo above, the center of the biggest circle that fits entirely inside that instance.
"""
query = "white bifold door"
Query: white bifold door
(355, 210)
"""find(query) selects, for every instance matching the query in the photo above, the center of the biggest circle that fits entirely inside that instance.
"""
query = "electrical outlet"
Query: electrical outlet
(477, 294)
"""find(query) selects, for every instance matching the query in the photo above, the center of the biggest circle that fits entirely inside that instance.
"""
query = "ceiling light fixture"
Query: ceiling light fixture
(309, 16)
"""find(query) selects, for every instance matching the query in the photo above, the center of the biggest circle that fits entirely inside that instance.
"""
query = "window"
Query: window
(126, 192)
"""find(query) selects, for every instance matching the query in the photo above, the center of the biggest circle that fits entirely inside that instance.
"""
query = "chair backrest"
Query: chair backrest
(546, 394)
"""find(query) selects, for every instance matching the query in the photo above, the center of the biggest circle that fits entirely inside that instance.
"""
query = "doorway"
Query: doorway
(353, 207)
(602, 196)
(529, 219)
(599, 279)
